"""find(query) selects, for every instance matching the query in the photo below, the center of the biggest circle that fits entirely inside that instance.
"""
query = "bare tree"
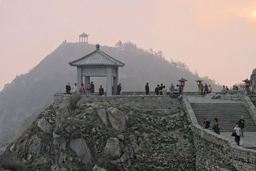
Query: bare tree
(119, 44)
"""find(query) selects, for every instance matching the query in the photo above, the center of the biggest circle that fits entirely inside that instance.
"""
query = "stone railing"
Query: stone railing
(251, 107)
(215, 151)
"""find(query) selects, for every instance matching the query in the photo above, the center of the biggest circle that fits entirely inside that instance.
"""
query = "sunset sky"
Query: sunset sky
(214, 38)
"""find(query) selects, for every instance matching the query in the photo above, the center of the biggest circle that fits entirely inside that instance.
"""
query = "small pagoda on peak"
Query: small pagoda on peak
(83, 37)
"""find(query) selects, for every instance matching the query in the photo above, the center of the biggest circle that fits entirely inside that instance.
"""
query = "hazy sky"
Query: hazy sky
(216, 38)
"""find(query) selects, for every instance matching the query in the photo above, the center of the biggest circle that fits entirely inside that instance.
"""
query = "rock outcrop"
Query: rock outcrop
(112, 148)
(105, 136)
(80, 147)
(117, 119)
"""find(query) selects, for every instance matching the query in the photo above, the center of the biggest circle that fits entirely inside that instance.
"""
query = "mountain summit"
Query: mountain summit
(28, 94)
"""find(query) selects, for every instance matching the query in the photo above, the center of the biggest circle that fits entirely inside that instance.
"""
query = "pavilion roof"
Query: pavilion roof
(83, 35)
(97, 58)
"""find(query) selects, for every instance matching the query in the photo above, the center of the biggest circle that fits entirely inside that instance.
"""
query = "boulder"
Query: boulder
(223, 91)
(44, 125)
(217, 96)
(62, 113)
(97, 168)
(34, 145)
(112, 148)
(103, 116)
(134, 143)
(89, 110)
(81, 149)
(117, 119)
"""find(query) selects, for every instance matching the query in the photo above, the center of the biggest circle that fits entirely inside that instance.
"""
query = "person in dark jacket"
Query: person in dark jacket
(92, 88)
(160, 89)
(241, 124)
(216, 126)
(206, 89)
(68, 88)
(157, 90)
(206, 124)
(101, 91)
(119, 88)
(147, 89)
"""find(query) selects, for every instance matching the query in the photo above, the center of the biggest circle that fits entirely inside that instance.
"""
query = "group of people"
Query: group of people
(215, 127)
(225, 87)
(82, 90)
(238, 129)
(162, 90)
(88, 90)
(204, 88)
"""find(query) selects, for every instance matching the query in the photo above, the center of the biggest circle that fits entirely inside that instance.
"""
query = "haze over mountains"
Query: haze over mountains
(22, 100)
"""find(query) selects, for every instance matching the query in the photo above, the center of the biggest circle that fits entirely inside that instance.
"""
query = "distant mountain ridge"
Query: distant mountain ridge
(22, 100)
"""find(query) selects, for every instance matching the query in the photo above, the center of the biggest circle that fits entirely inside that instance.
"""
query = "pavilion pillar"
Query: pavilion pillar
(86, 81)
(83, 80)
(79, 76)
(115, 82)
(109, 81)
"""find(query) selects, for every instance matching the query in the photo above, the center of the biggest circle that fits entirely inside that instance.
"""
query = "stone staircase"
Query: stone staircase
(227, 113)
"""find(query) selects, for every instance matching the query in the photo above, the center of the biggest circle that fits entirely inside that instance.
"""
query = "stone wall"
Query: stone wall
(215, 151)
(251, 107)
(253, 78)
(163, 105)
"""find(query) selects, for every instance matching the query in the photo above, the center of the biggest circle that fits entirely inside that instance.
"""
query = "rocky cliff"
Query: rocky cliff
(105, 133)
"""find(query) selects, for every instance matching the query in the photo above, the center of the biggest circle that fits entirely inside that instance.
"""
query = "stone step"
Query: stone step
(227, 113)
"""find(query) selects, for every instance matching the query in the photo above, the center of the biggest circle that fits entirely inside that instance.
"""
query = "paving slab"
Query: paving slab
(248, 140)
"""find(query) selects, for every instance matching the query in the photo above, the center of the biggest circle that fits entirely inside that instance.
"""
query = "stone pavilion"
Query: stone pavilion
(98, 64)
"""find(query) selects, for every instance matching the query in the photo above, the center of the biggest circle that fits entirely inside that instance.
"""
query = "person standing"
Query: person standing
(210, 89)
(147, 89)
(157, 90)
(202, 88)
(227, 88)
(101, 91)
(74, 89)
(119, 89)
(223, 87)
(251, 90)
(81, 89)
(171, 88)
(205, 88)
(160, 89)
(164, 90)
(238, 134)
(92, 87)
(68, 88)
(89, 90)
(241, 124)
(206, 124)
(216, 126)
